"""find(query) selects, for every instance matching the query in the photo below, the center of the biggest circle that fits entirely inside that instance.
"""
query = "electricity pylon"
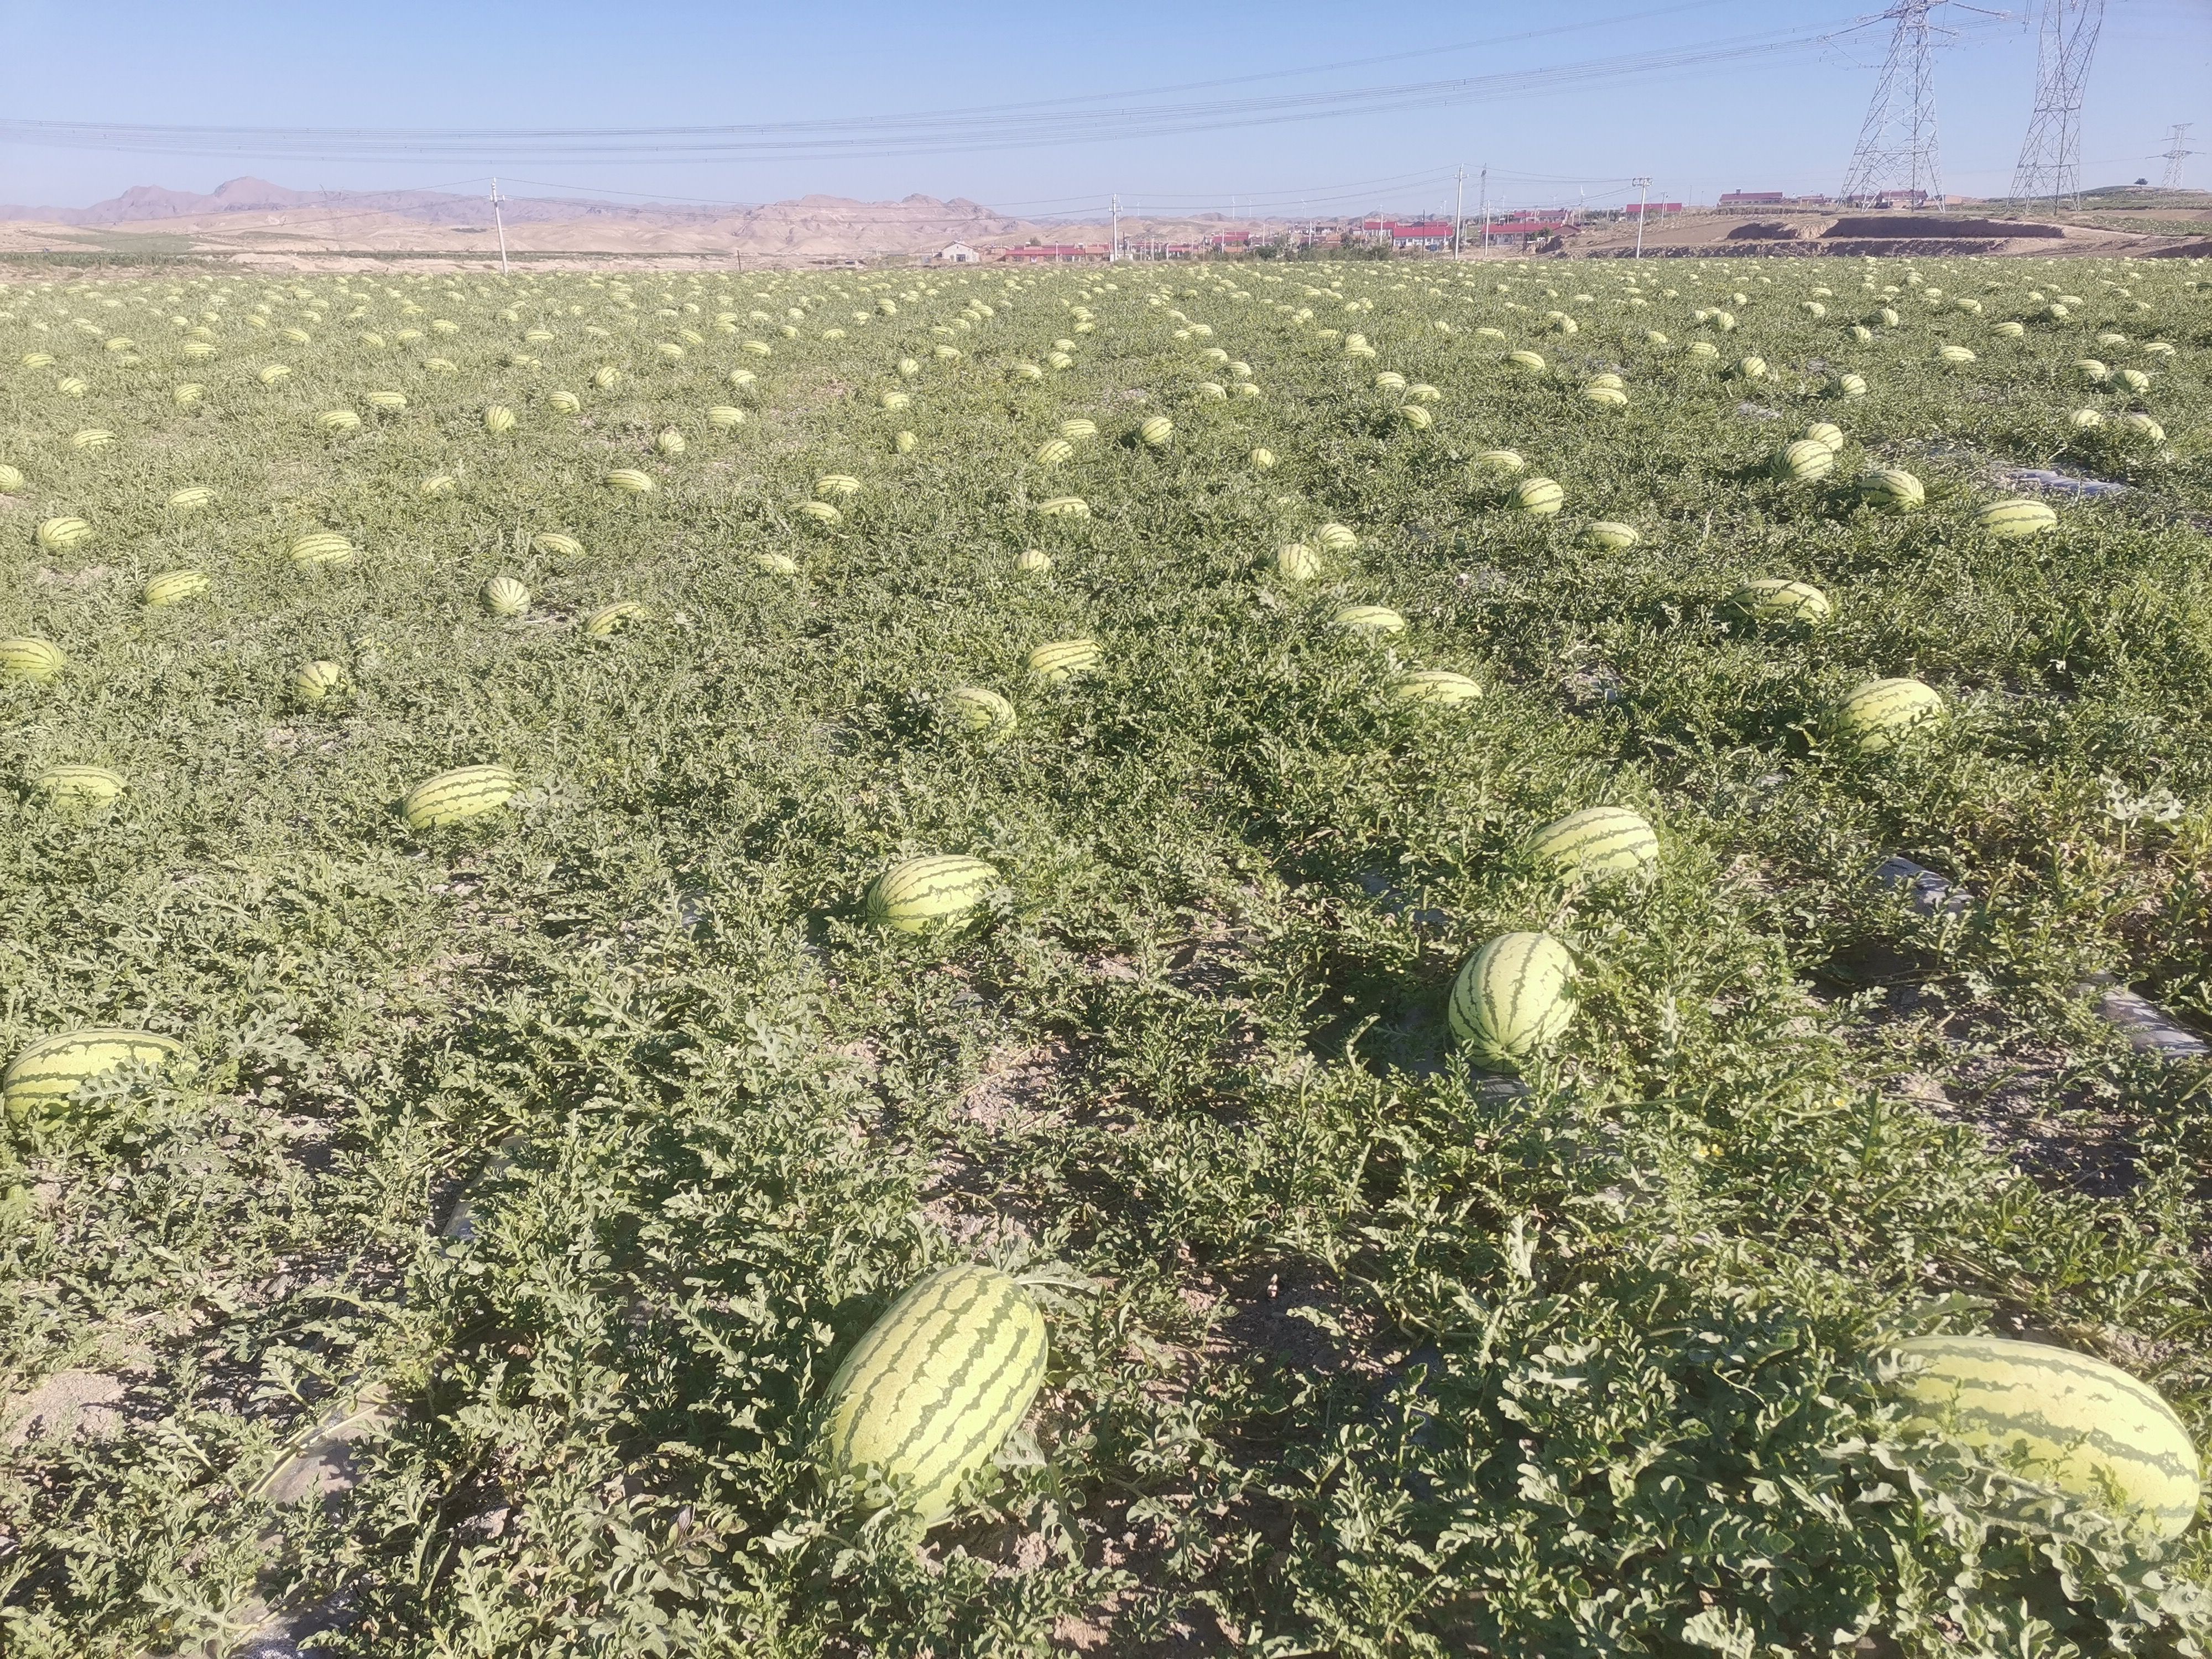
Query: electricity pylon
(2051, 157)
(2177, 151)
(1897, 154)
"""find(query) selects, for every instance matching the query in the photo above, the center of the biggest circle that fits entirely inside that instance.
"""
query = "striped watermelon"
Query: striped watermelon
(1156, 431)
(313, 682)
(1514, 996)
(563, 402)
(1079, 428)
(907, 897)
(610, 620)
(2014, 520)
(1826, 433)
(1438, 685)
(1595, 843)
(1610, 536)
(322, 547)
(11, 480)
(1539, 496)
(174, 588)
(386, 400)
(503, 596)
(2077, 1424)
(1807, 461)
(1053, 451)
(553, 543)
(1370, 620)
(50, 1070)
(1059, 660)
(775, 564)
(1499, 460)
(1262, 459)
(1335, 538)
(1605, 397)
(820, 513)
(1295, 562)
(977, 710)
(1033, 561)
(723, 416)
(1530, 361)
(1065, 506)
(839, 485)
(629, 481)
(1777, 601)
(29, 657)
(61, 535)
(466, 792)
(1880, 711)
(79, 785)
(930, 1393)
(337, 420)
(1892, 489)
(195, 496)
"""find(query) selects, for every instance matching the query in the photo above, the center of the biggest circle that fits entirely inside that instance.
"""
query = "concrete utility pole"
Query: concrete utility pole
(1642, 212)
(1113, 254)
(1459, 205)
(1486, 212)
(501, 224)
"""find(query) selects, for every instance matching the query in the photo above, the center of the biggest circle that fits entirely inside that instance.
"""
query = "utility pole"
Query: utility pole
(1113, 254)
(2050, 155)
(1485, 212)
(496, 198)
(1896, 153)
(1642, 212)
(1459, 205)
(2176, 153)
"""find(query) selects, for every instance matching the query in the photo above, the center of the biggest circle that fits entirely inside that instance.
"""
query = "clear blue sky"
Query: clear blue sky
(1786, 124)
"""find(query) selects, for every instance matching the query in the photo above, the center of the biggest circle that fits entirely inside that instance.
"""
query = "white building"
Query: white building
(959, 254)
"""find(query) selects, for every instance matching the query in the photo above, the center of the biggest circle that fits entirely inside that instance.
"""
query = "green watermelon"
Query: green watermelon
(908, 897)
(1877, 714)
(1596, 843)
(466, 792)
(50, 1070)
(933, 1390)
(1514, 996)
(2072, 1422)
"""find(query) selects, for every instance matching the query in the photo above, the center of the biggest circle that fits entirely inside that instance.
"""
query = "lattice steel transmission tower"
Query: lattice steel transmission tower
(2176, 152)
(1896, 158)
(2051, 157)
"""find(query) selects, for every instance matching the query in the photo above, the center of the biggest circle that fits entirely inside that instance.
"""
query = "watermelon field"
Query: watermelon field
(1145, 960)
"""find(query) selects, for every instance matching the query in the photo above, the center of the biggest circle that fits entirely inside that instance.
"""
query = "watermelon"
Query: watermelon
(933, 1390)
(1851, 386)
(1065, 506)
(629, 481)
(322, 547)
(1335, 538)
(51, 1069)
(79, 785)
(61, 535)
(1514, 996)
(1597, 843)
(1033, 561)
(722, 418)
(195, 496)
(2014, 520)
(821, 512)
(1610, 536)
(503, 596)
(174, 588)
(1773, 600)
(11, 479)
(610, 620)
(1079, 428)
(979, 711)
(1826, 433)
(2087, 1428)
(1807, 461)
(1296, 561)
(907, 897)
(553, 543)
(314, 681)
(1879, 712)
(1954, 357)
(1539, 496)
(1263, 460)
(775, 564)
(1499, 460)
(1892, 489)
(391, 400)
(1605, 397)
(1059, 660)
(1530, 362)
(1438, 685)
(466, 792)
(29, 657)
(1156, 431)
(839, 486)
(1370, 620)
(1053, 451)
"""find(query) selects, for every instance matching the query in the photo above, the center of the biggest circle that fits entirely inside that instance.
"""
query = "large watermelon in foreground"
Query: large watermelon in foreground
(467, 792)
(2078, 1424)
(930, 1393)
(907, 897)
(1515, 996)
(50, 1071)
(1596, 843)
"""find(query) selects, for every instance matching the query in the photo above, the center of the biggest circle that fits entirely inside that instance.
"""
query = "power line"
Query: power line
(923, 132)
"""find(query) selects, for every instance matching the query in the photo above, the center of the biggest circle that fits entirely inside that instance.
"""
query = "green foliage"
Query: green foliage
(1354, 1350)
